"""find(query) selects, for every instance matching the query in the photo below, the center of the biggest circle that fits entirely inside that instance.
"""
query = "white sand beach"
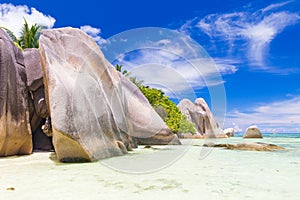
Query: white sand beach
(222, 174)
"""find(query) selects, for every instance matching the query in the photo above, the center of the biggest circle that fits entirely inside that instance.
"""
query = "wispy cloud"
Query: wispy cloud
(275, 5)
(175, 65)
(254, 30)
(11, 17)
(227, 65)
(94, 33)
(261, 34)
(281, 116)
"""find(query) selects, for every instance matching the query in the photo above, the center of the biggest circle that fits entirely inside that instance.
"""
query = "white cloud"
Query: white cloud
(257, 29)
(275, 5)
(90, 30)
(226, 65)
(94, 33)
(262, 33)
(281, 116)
(12, 17)
(176, 65)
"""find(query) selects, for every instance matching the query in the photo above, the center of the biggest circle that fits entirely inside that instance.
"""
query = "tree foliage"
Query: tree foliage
(186, 126)
(175, 120)
(124, 72)
(29, 35)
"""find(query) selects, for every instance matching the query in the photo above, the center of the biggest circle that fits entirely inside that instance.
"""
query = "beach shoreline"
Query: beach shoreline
(222, 174)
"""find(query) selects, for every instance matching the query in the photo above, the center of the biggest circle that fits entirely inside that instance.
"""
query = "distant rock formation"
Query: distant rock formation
(200, 115)
(248, 146)
(252, 132)
(95, 111)
(15, 133)
(229, 132)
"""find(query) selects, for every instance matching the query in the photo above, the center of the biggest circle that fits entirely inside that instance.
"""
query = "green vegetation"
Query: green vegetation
(29, 36)
(124, 72)
(157, 98)
(186, 126)
(175, 120)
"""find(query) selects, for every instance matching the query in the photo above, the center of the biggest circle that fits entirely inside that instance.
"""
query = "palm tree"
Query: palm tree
(124, 72)
(127, 73)
(135, 81)
(29, 35)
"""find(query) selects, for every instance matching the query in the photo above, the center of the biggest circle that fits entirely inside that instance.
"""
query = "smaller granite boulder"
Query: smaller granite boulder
(199, 114)
(211, 144)
(229, 132)
(252, 132)
(247, 146)
(222, 135)
(255, 146)
(191, 136)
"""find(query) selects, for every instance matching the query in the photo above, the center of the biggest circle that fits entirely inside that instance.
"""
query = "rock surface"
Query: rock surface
(38, 107)
(94, 110)
(34, 73)
(229, 132)
(33, 69)
(211, 144)
(222, 135)
(200, 115)
(249, 146)
(161, 111)
(252, 132)
(191, 136)
(15, 133)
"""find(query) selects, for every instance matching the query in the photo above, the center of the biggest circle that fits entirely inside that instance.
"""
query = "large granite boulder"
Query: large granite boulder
(95, 111)
(15, 133)
(200, 115)
(252, 132)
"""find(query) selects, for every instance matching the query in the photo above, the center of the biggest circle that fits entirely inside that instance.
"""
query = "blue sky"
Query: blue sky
(254, 46)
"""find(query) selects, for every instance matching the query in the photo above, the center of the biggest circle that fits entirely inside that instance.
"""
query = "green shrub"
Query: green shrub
(186, 126)
(174, 119)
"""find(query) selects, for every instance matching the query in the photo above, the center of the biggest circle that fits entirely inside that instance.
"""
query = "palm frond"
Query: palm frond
(30, 35)
(10, 34)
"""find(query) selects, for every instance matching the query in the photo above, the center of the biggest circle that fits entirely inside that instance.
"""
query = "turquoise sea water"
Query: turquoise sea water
(277, 135)
(291, 141)
(191, 172)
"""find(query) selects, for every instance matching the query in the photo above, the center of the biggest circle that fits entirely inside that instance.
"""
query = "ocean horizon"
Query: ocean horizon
(292, 135)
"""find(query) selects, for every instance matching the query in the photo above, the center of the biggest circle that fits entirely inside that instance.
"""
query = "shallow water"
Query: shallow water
(177, 172)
